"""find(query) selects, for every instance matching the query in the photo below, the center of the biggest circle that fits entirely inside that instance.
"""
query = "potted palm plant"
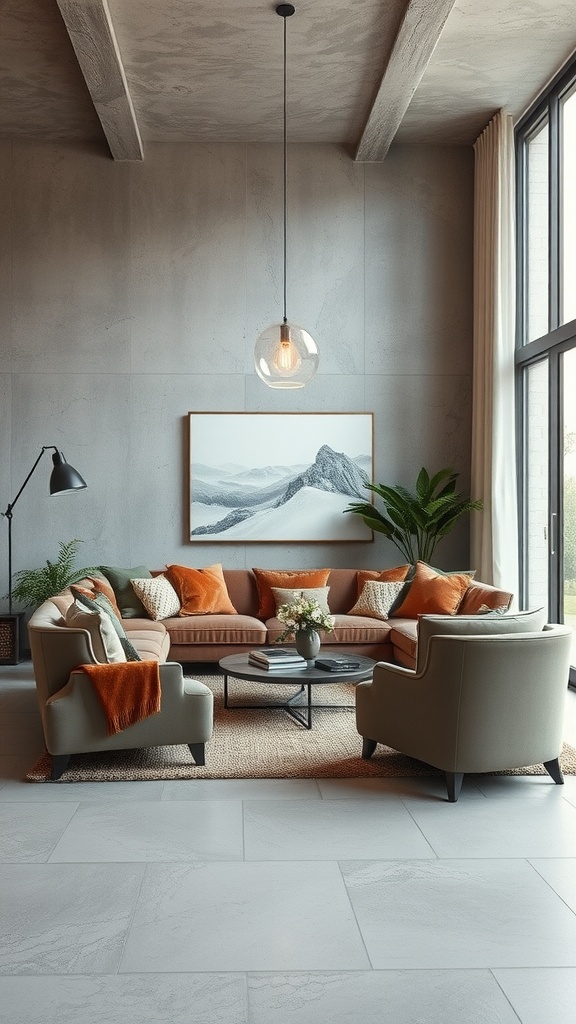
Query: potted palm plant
(33, 586)
(416, 522)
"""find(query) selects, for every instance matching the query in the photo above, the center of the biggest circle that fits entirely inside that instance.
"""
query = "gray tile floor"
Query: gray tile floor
(281, 902)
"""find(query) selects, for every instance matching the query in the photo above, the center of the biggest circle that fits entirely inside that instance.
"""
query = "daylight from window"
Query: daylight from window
(569, 209)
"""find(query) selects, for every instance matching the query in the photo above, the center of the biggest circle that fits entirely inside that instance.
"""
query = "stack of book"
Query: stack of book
(276, 657)
(337, 664)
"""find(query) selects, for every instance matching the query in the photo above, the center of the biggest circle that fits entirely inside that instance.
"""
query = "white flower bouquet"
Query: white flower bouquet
(303, 615)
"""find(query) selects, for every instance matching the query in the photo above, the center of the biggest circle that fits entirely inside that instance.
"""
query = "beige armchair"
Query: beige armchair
(72, 718)
(476, 702)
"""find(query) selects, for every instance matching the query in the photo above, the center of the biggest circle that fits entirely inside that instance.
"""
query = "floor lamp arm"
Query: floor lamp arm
(8, 515)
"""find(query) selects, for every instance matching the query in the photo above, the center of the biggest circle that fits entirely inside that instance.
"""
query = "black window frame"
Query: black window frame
(559, 338)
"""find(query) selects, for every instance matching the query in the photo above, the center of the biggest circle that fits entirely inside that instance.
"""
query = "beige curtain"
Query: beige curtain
(494, 531)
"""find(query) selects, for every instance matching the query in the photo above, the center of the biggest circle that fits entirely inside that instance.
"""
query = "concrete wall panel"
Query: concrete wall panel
(70, 261)
(139, 292)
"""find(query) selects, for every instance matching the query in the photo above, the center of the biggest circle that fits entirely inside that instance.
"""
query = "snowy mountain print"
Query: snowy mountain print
(297, 501)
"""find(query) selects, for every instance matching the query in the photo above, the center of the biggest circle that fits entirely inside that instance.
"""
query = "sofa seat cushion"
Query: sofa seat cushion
(216, 629)
(404, 637)
(149, 625)
(348, 629)
(151, 646)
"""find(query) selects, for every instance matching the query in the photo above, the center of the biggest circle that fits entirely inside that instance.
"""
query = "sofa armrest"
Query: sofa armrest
(74, 720)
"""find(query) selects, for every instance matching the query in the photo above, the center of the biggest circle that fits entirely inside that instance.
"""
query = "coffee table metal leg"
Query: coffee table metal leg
(225, 689)
(303, 712)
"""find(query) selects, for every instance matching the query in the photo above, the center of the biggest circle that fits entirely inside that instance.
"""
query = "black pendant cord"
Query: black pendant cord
(285, 172)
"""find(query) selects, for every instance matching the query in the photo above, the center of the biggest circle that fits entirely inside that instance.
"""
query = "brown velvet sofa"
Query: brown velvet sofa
(211, 637)
(207, 638)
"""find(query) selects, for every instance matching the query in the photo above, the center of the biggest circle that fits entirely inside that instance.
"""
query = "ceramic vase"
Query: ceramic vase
(307, 643)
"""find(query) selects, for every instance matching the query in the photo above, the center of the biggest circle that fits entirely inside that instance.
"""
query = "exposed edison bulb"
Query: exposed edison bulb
(285, 356)
(286, 360)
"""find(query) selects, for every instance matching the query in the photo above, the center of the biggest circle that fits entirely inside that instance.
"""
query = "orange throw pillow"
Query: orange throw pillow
(201, 591)
(396, 575)
(287, 579)
(480, 597)
(432, 593)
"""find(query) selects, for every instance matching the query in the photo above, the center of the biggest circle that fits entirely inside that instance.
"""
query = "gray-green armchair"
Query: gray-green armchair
(476, 702)
(72, 718)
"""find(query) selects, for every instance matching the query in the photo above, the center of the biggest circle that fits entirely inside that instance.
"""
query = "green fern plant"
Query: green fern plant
(416, 522)
(33, 586)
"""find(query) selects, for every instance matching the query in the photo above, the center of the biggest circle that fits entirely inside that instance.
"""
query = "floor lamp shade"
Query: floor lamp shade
(63, 479)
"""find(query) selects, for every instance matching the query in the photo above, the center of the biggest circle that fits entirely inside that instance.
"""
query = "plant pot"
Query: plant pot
(307, 643)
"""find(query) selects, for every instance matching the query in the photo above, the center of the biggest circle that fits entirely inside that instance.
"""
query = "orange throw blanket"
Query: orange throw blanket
(128, 691)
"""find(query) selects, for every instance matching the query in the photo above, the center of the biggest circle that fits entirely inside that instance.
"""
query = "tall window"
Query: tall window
(546, 350)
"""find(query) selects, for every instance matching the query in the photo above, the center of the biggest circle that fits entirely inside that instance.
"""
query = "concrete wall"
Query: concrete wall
(133, 294)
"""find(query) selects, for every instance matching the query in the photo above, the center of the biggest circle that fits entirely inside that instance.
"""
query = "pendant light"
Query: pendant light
(285, 355)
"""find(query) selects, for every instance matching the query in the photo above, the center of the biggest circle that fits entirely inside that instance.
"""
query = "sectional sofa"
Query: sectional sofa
(209, 637)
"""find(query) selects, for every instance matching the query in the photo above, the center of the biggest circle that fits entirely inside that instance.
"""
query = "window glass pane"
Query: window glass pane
(536, 485)
(537, 234)
(568, 109)
(569, 519)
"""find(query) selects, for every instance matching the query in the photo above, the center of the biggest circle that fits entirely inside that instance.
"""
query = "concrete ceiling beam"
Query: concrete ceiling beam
(417, 36)
(89, 25)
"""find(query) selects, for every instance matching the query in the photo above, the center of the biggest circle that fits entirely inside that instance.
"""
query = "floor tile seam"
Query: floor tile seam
(130, 922)
(419, 827)
(355, 917)
(549, 884)
(66, 827)
(288, 972)
(512, 1007)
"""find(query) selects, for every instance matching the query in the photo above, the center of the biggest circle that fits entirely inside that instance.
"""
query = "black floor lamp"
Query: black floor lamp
(63, 479)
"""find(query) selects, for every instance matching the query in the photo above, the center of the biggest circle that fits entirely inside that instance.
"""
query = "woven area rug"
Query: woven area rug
(263, 744)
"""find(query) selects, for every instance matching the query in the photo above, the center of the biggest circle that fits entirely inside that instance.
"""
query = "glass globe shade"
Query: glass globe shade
(285, 356)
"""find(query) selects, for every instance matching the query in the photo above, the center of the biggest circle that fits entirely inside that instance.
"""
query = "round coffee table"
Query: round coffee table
(300, 706)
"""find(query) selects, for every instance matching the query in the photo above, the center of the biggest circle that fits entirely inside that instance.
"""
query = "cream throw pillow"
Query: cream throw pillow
(285, 596)
(158, 597)
(376, 599)
(105, 640)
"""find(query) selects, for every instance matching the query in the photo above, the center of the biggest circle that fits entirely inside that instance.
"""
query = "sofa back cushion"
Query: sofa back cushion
(242, 590)
(475, 625)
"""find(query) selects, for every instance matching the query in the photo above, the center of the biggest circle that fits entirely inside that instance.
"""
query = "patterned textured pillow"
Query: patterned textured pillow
(158, 597)
(105, 640)
(284, 596)
(376, 599)
(100, 602)
(396, 575)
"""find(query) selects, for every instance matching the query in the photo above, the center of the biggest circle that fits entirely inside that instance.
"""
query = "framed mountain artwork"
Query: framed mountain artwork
(274, 477)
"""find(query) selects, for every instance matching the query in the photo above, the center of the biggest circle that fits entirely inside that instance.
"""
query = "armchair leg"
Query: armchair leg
(454, 785)
(368, 748)
(59, 765)
(554, 771)
(197, 751)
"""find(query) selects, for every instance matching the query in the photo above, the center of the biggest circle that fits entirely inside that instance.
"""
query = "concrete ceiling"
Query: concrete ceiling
(360, 72)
